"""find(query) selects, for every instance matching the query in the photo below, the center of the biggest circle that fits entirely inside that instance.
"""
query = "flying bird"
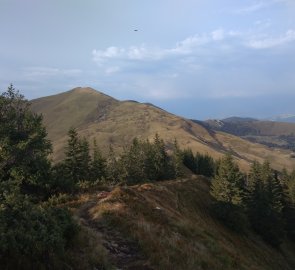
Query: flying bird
(135, 30)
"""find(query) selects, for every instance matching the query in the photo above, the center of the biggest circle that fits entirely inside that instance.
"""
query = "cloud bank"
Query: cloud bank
(218, 64)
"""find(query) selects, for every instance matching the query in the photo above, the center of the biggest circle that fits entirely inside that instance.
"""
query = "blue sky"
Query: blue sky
(200, 59)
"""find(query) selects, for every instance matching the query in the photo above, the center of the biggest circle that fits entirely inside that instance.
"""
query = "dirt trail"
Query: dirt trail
(124, 253)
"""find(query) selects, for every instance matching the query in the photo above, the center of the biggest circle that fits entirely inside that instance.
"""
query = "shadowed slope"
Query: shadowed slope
(173, 228)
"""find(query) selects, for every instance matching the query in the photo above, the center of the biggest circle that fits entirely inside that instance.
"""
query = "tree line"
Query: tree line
(263, 200)
(140, 162)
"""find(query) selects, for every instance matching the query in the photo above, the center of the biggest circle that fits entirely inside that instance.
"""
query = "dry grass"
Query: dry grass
(109, 121)
(87, 253)
(171, 221)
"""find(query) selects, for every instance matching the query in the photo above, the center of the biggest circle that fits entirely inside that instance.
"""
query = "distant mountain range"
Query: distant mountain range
(288, 118)
(113, 122)
(270, 133)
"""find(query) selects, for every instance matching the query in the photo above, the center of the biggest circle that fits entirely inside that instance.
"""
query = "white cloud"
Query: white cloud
(218, 34)
(145, 53)
(37, 72)
(190, 43)
(253, 8)
(271, 42)
(110, 52)
(212, 64)
(112, 70)
(259, 5)
(138, 53)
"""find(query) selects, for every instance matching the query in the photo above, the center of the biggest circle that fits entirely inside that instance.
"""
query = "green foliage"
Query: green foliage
(199, 164)
(227, 186)
(145, 161)
(32, 235)
(227, 189)
(114, 167)
(161, 167)
(205, 165)
(98, 164)
(288, 211)
(189, 160)
(133, 161)
(177, 160)
(264, 203)
(23, 147)
(77, 162)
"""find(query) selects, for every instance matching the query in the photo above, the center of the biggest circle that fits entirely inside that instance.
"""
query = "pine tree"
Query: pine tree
(98, 164)
(85, 159)
(288, 210)
(177, 159)
(24, 148)
(228, 184)
(227, 189)
(32, 234)
(115, 170)
(264, 203)
(162, 165)
(133, 161)
(77, 157)
(189, 160)
(205, 165)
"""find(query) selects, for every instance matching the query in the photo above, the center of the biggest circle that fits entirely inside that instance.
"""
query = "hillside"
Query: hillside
(110, 121)
(168, 225)
(270, 133)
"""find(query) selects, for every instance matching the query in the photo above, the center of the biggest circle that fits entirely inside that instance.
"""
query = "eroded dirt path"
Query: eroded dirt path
(124, 253)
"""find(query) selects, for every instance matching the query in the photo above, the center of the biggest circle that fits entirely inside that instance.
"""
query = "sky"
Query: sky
(198, 59)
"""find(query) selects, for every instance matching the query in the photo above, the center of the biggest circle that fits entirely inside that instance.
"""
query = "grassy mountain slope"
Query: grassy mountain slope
(270, 133)
(168, 225)
(109, 121)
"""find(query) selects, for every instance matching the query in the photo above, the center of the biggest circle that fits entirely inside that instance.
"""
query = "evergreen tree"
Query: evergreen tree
(85, 159)
(115, 172)
(288, 210)
(264, 203)
(133, 161)
(177, 159)
(163, 168)
(189, 160)
(24, 148)
(33, 235)
(205, 165)
(77, 157)
(227, 189)
(98, 164)
(228, 184)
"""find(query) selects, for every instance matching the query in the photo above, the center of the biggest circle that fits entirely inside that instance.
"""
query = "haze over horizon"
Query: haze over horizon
(198, 59)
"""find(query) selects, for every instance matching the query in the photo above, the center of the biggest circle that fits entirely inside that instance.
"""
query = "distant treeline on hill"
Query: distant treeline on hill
(140, 162)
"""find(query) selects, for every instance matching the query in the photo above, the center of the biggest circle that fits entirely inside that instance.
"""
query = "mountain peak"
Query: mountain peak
(87, 90)
(83, 89)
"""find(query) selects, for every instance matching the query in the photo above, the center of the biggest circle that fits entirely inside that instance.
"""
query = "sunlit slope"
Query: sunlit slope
(98, 116)
(172, 224)
(74, 108)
